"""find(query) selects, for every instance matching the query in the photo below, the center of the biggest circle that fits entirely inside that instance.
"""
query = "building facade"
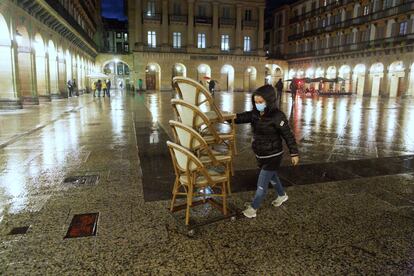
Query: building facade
(367, 43)
(222, 40)
(115, 36)
(43, 44)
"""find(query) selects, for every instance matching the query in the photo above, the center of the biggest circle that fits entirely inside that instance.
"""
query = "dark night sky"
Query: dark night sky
(113, 9)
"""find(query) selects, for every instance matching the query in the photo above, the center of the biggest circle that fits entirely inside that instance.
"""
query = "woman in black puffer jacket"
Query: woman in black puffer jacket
(269, 126)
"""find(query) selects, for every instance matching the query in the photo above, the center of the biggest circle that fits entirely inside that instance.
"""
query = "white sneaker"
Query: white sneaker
(249, 212)
(279, 200)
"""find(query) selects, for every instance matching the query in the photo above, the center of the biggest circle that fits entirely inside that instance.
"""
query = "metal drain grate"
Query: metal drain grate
(19, 230)
(81, 180)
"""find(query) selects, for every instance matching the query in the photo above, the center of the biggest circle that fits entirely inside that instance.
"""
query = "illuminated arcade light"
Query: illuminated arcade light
(249, 70)
(202, 69)
(178, 68)
(152, 67)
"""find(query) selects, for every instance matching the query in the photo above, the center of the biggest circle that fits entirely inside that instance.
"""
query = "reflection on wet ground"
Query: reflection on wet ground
(355, 218)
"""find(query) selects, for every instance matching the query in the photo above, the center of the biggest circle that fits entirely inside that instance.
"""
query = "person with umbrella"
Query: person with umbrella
(211, 86)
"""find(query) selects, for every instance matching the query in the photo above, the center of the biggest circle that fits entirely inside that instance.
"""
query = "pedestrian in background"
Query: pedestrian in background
(293, 88)
(70, 87)
(108, 87)
(99, 87)
(104, 88)
(93, 87)
(279, 89)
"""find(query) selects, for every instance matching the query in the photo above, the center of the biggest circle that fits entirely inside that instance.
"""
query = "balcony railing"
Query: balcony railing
(383, 43)
(178, 50)
(151, 16)
(320, 10)
(202, 20)
(178, 18)
(151, 48)
(401, 9)
(250, 23)
(227, 21)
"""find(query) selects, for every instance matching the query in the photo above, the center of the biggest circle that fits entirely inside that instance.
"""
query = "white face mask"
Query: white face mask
(260, 106)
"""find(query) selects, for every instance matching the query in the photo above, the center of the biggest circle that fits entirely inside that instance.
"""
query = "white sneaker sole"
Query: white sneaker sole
(280, 203)
(252, 216)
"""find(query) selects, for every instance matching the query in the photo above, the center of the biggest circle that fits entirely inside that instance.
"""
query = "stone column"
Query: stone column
(190, 27)
(216, 36)
(239, 38)
(260, 36)
(138, 25)
(165, 33)
(385, 84)
(9, 94)
(62, 78)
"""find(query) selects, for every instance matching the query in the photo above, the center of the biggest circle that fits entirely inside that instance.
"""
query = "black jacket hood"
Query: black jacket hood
(267, 92)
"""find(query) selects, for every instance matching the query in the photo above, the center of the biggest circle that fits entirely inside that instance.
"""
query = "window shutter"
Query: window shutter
(394, 29)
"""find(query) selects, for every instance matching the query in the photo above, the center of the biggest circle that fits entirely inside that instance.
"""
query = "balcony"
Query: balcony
(205, 20)
(319, 10)
(249, 23)
(178, 18)
(227, 21)
(151, 17)
(178, 50)
(378, 44)
(149, 48)
(401, 9)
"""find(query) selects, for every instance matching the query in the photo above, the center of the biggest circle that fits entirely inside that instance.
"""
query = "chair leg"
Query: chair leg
(174, 194)
(224, 193)
(189, 203)
(229, 174)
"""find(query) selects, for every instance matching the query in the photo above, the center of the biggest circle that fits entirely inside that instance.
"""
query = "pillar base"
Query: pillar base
(30, 100)
(56, 96)
(10, 104)
(44, 98)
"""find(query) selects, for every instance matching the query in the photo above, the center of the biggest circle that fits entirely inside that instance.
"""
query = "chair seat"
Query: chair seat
(202, 181)
(212, 115)
(221, 158)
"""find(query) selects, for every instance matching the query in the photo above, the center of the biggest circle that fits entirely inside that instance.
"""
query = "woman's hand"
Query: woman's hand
(295, 160)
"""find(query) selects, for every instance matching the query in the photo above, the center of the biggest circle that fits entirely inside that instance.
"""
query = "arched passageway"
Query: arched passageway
(203, 71)
(249, 80)
(396, 79)
(25, 67)
(41, 69)
(53, 70)
(62, 73)
(331, 74)
(119, 73)
(358, 80)
(345, 73)
(153, 76)
(376, 75)
(227, 78)
(179, 70)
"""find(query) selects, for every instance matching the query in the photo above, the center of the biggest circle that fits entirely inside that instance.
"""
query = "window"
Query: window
(248, 15)
(177, 8)
(176, 40)
(152, 40)
(366, 10)
(225, 43)
(126, 48)
(151, 8)
(387, 4)
(201, 10)
(226, 12)
(247, 41)
(403, 28)
(118, 35)
(201, 40)
(126, 36)
(314, 6)
(324, 22)
(325, 2)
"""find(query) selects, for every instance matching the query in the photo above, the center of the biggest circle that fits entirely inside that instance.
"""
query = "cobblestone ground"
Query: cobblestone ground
(350, 207)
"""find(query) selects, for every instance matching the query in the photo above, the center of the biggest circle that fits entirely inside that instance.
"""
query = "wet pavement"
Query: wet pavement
(350, 207)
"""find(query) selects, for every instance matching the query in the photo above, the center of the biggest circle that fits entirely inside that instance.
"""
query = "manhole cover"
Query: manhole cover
(81, 180)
